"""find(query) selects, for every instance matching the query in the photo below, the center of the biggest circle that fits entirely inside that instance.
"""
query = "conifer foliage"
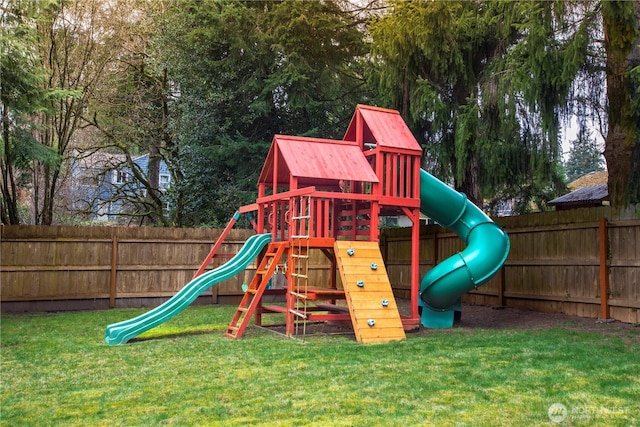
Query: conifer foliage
(485, 85)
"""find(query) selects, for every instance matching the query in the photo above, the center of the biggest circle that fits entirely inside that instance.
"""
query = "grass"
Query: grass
(57, 370)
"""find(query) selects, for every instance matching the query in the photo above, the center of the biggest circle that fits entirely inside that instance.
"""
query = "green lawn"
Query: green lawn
(57, 370)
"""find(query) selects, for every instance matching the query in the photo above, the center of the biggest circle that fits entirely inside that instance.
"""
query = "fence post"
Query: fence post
(603, 237)
(114, 269)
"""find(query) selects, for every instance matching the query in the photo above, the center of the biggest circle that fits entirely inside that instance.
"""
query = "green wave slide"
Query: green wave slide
(120, 333)
(487, 249)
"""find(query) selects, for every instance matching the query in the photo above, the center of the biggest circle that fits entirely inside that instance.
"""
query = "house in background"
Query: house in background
(92, 182)
(503, 208)
(102, 186)
(589, 190)
(165, 176)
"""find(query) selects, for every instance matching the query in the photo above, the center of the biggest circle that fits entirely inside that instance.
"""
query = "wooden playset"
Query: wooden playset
(329, 195)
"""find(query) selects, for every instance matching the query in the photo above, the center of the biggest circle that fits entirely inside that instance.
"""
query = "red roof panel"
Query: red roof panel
(311, 158)
(384, 127)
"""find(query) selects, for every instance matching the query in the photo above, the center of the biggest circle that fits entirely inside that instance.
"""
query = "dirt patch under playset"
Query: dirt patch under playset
(485, 317)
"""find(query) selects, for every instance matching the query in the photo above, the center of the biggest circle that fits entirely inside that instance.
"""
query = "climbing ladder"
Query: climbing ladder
(372, 306)
(300, 264)
(256, 288)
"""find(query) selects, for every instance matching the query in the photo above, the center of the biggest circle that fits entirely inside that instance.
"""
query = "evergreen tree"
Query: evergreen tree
(484, 85)
(584, 156)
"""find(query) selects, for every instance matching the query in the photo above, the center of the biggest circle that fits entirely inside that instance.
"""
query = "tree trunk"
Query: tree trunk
(153, 176)
(9, 197)
(470, 185)
(621, 46)
(48, 192)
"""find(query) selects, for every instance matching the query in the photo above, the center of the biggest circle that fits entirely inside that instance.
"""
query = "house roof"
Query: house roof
(593, 178)
(143, 162)
(315, 161)
(98, 160)
(383, 127)
(590, 194)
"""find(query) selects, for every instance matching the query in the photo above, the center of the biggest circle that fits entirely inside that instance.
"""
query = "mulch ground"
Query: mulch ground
(485, 317)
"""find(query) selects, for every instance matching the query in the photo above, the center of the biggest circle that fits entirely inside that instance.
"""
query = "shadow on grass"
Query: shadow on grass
(170, 335)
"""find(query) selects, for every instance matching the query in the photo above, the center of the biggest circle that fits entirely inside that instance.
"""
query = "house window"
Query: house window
(121, 177)
(164, 182)
(391, 221)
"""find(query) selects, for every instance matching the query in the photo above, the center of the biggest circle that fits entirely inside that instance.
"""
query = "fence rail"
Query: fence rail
(584, 262)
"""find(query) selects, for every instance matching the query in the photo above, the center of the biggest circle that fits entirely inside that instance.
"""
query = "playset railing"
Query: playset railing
(398, 174)
(331, 215)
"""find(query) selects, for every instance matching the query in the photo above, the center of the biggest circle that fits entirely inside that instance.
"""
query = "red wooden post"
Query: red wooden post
(415, 264)
(313, 214)
(354, 217)
(359, 129)
(603, 235)
(285, 216)
(388, 161)
(393, 174)
(375, 221)
(261, 193)
(276, 166)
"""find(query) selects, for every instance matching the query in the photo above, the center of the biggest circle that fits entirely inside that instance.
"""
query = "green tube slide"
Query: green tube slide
(120, 333)
(486, 251)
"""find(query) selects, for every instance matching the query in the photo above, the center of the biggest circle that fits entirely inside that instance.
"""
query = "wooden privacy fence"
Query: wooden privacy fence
(584, 262)
(61, 267)
(71, 268)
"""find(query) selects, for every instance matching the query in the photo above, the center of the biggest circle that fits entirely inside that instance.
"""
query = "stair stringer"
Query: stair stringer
(253, 295)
